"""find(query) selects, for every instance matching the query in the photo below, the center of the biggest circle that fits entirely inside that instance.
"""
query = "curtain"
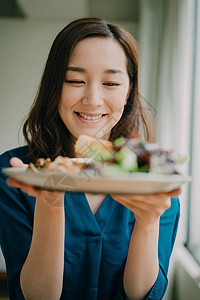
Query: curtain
(166, 43)
(162, 69)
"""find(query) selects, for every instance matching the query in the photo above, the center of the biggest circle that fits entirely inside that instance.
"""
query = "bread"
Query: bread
(85, 144)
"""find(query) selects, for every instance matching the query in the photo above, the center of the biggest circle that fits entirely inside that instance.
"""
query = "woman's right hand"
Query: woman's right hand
(52, 198)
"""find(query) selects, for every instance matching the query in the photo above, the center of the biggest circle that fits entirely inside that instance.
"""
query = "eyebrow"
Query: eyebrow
(82, 70)
(113, 71)
(76, 69)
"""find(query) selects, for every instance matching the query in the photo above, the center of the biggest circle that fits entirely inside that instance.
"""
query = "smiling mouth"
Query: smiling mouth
(90, 117)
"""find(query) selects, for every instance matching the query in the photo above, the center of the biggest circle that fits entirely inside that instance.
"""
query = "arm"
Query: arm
(142, 265)
(42, 273)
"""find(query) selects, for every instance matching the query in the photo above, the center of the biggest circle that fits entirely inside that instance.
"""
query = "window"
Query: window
(193, 235)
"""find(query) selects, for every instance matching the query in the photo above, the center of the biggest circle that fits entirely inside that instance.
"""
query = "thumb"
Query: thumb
(17, 163)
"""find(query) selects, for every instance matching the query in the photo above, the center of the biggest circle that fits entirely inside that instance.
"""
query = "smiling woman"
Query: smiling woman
(96, 88)
(74, 245)
(91, 60)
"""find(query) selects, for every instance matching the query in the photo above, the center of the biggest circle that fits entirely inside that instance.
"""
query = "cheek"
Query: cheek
(68, 98)
(118, 101)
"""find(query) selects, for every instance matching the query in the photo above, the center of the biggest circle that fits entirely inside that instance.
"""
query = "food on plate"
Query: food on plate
(60, 164)
(112, 158)
(130, 155)
(90, 147)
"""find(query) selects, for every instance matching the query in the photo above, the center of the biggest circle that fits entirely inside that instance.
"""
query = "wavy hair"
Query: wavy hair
(43, 129)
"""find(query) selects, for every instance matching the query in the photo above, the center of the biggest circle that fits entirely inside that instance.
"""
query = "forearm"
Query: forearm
(42, 273)
(142, 264)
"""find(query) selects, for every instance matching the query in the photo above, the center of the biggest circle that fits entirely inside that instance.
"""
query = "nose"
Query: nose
(92, 95)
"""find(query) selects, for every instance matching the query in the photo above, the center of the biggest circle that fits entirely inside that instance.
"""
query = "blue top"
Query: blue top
(95, 246)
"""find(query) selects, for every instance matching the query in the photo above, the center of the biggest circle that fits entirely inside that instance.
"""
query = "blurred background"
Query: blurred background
(168, 34)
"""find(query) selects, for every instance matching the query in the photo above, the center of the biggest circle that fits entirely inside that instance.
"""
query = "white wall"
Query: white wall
(23, 51)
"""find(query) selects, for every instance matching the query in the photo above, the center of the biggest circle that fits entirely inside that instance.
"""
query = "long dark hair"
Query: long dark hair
(44, 131)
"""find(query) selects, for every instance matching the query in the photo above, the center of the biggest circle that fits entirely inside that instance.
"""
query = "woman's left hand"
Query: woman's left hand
(147, 208)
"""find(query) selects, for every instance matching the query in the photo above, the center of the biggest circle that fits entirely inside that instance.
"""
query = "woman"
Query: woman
(76, 245)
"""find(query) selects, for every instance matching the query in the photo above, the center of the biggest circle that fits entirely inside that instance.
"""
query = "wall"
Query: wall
(186, 283)
(24, 48)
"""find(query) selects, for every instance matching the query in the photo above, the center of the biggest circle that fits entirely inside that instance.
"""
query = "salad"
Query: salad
(129, 155)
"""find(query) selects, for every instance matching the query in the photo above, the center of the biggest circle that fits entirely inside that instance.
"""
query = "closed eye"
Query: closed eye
(111, 84)
(75, 81)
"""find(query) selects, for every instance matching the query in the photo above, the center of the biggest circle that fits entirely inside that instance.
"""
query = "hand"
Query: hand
(53, 198)
(147, 208)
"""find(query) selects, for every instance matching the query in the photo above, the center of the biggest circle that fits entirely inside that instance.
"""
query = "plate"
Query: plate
(88, 181)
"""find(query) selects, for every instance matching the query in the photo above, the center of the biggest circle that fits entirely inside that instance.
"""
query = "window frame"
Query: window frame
(193, 221)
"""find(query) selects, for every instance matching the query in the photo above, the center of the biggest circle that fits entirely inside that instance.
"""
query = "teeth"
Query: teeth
(89, 117)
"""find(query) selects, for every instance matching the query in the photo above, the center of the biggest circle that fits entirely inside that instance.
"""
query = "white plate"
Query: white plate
(88, 181)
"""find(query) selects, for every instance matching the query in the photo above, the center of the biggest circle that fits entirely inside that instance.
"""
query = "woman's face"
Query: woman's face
(96, 88)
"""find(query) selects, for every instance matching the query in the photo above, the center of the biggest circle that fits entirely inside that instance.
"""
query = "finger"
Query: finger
(17, 163)
(146, 202)
(132, 201)
(138, 197)
(14, 183)
(128, 201)
(173, 193)
(28, 189)
(122, 202)
(133, 204)
(25, 188)
(155, 196)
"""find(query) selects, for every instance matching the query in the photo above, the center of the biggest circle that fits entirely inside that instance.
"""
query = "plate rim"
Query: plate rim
(87, 184)
(135, 176)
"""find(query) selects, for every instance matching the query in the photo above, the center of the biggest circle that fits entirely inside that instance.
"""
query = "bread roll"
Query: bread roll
(85, 143)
